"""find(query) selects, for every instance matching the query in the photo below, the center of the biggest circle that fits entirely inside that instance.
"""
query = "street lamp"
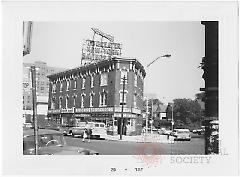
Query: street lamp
(147, 68)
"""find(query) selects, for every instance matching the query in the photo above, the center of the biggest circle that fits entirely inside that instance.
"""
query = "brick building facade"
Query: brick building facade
(94, 93)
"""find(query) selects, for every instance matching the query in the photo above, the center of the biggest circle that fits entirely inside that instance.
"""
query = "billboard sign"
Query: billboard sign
(98, 50)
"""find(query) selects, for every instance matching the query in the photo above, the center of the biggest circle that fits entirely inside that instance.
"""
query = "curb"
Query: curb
(141, 141)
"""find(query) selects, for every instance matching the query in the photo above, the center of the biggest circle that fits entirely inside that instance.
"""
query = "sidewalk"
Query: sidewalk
(148, 138)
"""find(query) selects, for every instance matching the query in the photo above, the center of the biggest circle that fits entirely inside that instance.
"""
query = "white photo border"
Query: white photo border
(14, 13)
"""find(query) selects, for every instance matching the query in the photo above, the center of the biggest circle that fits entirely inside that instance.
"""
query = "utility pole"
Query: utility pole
(152, 118)
(34, 99)
(172, 122)
(121, 120)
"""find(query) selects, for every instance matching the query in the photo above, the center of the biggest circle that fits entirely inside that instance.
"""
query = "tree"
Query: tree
(186, 112)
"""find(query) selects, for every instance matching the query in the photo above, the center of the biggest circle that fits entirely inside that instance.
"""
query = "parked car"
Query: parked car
(98, 129)
(181, 134)
(76, 131)
(50, 142)
(164, 131)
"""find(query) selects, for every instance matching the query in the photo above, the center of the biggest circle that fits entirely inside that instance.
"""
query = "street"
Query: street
(106, 147)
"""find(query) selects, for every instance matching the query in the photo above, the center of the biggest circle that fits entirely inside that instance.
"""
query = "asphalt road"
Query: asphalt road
(105, 147)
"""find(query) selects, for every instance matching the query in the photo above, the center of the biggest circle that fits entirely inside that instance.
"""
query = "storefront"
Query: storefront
(111, 116)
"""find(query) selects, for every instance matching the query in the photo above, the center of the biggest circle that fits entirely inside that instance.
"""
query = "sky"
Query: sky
(59, 44)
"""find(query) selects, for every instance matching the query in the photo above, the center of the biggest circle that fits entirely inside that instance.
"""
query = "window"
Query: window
(67, 100)
(83, 83)
(92, 81)
(104, 78)
(135, 100)
(135, 80)
(61, 86)
(68, 84)
(115, 122)
(74, 100)
(53, 103)
(125, 97)
(60, 103)
(124, 73)
(75, 84)
(82, 101)
(91, 99)
(103, 99)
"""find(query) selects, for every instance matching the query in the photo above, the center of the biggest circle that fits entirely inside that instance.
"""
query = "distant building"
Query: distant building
(94, 92)
(160, 112)
(42, 85)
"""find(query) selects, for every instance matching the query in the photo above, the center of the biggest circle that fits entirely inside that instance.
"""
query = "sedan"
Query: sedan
(50, 142)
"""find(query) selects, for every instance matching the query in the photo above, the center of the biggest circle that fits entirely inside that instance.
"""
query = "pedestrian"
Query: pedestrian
(88, 131)
(84, 134)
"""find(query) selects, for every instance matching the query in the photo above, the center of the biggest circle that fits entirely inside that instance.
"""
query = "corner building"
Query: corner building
(94, 92)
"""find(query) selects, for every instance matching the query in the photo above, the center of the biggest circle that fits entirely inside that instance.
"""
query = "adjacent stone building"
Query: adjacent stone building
(42, 87)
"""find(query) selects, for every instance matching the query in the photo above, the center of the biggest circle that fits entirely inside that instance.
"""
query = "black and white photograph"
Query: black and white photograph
(139, 84)
(146, 89)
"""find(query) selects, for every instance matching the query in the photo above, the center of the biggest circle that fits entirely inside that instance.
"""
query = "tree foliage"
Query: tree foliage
(187, 113)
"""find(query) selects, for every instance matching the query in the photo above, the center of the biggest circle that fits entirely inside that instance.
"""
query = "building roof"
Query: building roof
(97, 64)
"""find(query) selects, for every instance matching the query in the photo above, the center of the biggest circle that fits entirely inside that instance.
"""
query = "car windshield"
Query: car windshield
(43, 141)
(101, 125)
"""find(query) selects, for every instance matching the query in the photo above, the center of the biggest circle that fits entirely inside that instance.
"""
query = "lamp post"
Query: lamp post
(147, 68)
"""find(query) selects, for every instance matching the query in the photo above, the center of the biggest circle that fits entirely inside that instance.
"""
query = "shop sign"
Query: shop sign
(55, 111)
(82, 115)
(100, 115)
(136, 111)
(83, 110)
(67, 110)
(125, 115)
(119, 109)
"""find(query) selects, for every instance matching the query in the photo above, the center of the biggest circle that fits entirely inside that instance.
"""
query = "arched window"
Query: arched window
(61, 86)
(53, 103)
(82, 100)
(92, 81)
(74, 100)
(91, 99)
(67, 101)
(123, 100)
(135, 100)
(103, 99)
(83, 83)
(60, 103)
(104, 79)
(53, 88)
(68, 84)
(135, 80)
(75, 84)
